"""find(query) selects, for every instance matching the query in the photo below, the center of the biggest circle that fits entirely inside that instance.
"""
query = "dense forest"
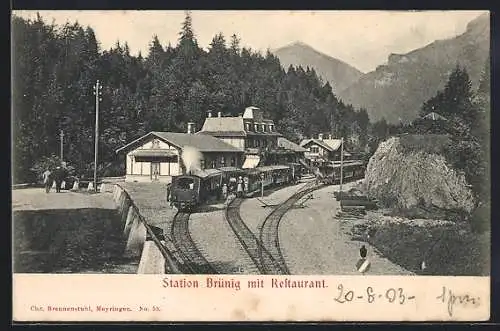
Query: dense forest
(55, 69)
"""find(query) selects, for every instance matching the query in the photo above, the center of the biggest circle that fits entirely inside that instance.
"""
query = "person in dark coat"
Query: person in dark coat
(59, 177)
(169, 191)
(363, 264)
(363, 252)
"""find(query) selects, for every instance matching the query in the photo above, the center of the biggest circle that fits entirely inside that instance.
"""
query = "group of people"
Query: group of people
(234, 186)
(56, 175)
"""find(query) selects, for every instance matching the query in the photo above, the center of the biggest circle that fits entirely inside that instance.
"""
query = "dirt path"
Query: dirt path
(314, 242)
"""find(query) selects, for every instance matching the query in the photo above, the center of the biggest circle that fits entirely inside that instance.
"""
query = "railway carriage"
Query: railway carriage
(275, 175)
(254, 180)
(352, 170)
(296, 170)
(230, 172)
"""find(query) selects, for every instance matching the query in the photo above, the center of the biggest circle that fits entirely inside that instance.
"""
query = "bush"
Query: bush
(447, 250)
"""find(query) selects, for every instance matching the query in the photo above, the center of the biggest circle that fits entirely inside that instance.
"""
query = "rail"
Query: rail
(262, 259)
(171, 261)
(269, 231)
(184, 244)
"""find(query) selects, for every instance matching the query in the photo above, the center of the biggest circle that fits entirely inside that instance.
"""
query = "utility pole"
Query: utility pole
(341, 165)
(98, 94)
(61, 135)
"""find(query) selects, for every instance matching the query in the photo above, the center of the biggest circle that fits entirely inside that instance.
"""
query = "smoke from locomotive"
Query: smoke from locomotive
(191, 158)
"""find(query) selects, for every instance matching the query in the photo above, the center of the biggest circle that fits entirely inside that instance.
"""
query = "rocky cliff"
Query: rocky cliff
(396, 90)
(411, 171)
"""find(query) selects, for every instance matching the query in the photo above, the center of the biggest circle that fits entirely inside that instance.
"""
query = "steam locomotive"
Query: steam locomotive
(191, 190)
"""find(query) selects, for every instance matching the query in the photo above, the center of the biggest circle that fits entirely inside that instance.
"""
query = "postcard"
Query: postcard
(251, 166)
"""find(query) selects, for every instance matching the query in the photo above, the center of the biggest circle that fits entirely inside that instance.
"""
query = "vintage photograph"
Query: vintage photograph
(251, 143)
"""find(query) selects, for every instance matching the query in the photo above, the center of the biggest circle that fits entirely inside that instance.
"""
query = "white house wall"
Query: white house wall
(141, 171)
(146, 168)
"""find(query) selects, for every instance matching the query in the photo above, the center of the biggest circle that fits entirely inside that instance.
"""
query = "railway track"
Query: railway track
(269, 232)
(194, 261)
(264, 261)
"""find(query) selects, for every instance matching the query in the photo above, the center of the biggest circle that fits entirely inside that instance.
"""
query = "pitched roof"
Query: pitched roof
(306, 142)
(229, 125)
(333, 143)
(287, 144)
(328, 144)
(203, 143)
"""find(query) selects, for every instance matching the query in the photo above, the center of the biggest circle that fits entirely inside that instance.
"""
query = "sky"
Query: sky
(363, 39)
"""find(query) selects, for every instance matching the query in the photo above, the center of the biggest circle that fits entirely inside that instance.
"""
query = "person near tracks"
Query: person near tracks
(224, 191)
(169, 192)
(239, 187)
(48, 179)
(59, 175)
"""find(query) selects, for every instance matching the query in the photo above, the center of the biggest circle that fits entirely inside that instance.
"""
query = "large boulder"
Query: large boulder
(410, 171)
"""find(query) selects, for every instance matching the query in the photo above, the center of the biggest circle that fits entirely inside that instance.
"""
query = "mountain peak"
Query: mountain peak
(338, 73)
(399, 88)
(300, 44)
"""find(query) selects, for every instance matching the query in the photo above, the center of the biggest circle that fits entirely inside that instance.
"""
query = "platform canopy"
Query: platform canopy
(251, 161)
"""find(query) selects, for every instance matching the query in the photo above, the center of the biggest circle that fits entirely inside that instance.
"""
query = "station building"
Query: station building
(255, 135)
(157, 156)
(322, 150)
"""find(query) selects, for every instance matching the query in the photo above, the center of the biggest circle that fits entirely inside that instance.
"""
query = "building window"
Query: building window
(263, 128)
(214, 164)
(222, 161)
(233, 161)
(202, 164)
(271, 128)
(314, 149)
(248, 127)
(256, 127)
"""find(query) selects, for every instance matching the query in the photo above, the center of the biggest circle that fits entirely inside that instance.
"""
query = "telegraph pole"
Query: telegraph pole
(341, 165)
(61, 135)
(98, 94)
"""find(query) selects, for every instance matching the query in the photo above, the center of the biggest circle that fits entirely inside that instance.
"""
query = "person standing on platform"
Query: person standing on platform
(224, 191)
(59, 177)
(245, 184)
(47, 180)
(239, 188)
(169, 190)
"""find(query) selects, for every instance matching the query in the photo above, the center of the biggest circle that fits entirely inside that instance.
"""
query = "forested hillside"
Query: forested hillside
(55, 69)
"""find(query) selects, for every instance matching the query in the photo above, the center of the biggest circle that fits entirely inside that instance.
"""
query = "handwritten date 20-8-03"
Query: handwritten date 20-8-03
(371, 295)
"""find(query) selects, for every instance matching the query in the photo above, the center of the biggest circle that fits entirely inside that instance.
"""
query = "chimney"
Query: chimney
(219, 114)
(209, 114)
(190, 129)
(320, 136)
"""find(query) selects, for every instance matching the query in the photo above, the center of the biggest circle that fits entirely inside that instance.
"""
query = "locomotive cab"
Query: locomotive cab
(185, 192)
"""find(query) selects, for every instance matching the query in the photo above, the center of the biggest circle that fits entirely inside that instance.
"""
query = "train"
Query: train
(196, 188)
(351, 171)
(189, 191)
